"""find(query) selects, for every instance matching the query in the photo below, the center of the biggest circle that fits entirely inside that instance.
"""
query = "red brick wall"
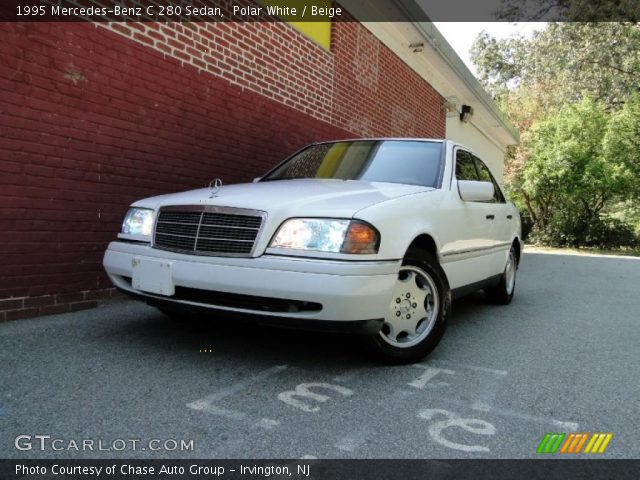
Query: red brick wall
(92, 120)
(360, 85)
(376, 94)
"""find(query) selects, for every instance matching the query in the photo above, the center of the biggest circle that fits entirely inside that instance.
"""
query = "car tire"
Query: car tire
(417, 314)
(502, 293)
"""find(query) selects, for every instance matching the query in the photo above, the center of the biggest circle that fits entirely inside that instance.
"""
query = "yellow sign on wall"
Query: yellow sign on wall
(318, 31)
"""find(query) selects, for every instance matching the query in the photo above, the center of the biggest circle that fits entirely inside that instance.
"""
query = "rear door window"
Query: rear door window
(485, 176)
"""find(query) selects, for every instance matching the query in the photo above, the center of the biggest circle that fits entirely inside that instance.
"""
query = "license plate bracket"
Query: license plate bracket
(152, 276)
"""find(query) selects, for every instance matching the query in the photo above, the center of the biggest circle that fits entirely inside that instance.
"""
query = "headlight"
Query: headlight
(327, 235)
(138, 221)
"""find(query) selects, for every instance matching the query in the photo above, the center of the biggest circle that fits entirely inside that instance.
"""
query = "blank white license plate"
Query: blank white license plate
(153, 276)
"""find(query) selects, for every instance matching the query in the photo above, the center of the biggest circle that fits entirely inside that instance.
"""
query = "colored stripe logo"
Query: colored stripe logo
(598, 443)
(550, 443)
(574, 443)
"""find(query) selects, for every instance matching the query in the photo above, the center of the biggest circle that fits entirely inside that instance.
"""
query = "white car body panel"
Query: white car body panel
(469, 246)
(286, 199)
(347, 292)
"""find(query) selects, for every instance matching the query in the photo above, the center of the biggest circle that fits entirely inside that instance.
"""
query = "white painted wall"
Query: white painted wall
(479, 141)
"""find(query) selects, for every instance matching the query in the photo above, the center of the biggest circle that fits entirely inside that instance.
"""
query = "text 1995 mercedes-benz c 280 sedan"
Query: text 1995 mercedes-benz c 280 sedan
(374, 235)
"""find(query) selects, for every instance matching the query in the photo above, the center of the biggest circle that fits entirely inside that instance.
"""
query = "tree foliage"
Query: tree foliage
(563, 63)
(569, 10)
(622, 141)
(573, 92)
(570, 176)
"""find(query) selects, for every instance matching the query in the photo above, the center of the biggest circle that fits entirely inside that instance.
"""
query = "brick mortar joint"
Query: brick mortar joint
(32, 312)
(58, 299)
(188, 60)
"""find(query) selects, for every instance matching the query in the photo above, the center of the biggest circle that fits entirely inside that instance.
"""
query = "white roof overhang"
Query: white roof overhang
(423, 48)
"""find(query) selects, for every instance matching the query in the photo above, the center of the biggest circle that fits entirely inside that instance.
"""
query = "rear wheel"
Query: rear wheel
(502, 293)
(416, 317)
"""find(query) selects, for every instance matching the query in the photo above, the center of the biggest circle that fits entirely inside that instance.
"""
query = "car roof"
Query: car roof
(378, 139)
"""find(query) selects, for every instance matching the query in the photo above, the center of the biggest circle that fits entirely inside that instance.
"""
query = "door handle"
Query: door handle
(491, 216)
(509, 217)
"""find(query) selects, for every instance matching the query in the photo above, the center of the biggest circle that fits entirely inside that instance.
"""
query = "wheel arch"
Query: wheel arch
(517, 245)
(425, 242)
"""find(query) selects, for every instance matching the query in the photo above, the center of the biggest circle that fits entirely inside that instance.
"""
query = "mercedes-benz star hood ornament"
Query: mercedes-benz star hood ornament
(215, 186)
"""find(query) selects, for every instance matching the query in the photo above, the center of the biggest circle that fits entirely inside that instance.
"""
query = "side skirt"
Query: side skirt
(472, 287)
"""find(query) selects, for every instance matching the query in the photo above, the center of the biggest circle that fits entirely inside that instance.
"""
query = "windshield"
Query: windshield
(411, 162)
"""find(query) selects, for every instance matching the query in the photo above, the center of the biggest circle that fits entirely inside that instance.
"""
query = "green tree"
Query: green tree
(569, 10)
(569, 177)
(622, 141)
(563, 62)
(622, 145)
(572, 91)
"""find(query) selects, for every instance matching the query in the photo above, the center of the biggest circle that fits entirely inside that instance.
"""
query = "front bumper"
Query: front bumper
(291, 287)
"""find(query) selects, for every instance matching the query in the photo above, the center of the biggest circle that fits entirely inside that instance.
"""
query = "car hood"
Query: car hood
(308, 197)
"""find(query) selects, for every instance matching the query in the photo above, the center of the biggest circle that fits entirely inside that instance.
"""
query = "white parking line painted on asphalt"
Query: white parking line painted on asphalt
(481, 406)
(350, 442)
(267, 423)
(486, 394)
(429, 373)
(346, 376)
(471, 425)
(305, 397)
(303, 390)
(486, 398)
(568, 426)
(219, 411)
(467, 366)
(402, 394)
(207, 404)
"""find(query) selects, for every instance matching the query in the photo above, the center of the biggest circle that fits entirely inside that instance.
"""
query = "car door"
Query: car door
(501, 221)
(468, 235)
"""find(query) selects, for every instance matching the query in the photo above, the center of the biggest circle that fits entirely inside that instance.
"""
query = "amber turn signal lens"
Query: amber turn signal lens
(361, 238)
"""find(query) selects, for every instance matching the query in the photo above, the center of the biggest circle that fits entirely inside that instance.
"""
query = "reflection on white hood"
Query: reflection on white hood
(299, 197)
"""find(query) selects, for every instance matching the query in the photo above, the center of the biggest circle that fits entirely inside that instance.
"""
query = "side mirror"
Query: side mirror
(473, 191)
(256, 180)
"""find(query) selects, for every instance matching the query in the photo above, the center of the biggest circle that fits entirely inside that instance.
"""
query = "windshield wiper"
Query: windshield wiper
(285, 178)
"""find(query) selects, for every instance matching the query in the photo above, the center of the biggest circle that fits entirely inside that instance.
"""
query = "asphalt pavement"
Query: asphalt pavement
(124, 381)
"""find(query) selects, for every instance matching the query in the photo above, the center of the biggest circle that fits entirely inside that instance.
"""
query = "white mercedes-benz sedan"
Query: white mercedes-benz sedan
(372, 235)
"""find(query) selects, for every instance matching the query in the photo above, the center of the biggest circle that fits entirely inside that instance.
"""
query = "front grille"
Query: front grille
(202, 230)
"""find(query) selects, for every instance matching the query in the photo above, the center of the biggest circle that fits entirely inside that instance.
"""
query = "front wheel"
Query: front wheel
(416, 318)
